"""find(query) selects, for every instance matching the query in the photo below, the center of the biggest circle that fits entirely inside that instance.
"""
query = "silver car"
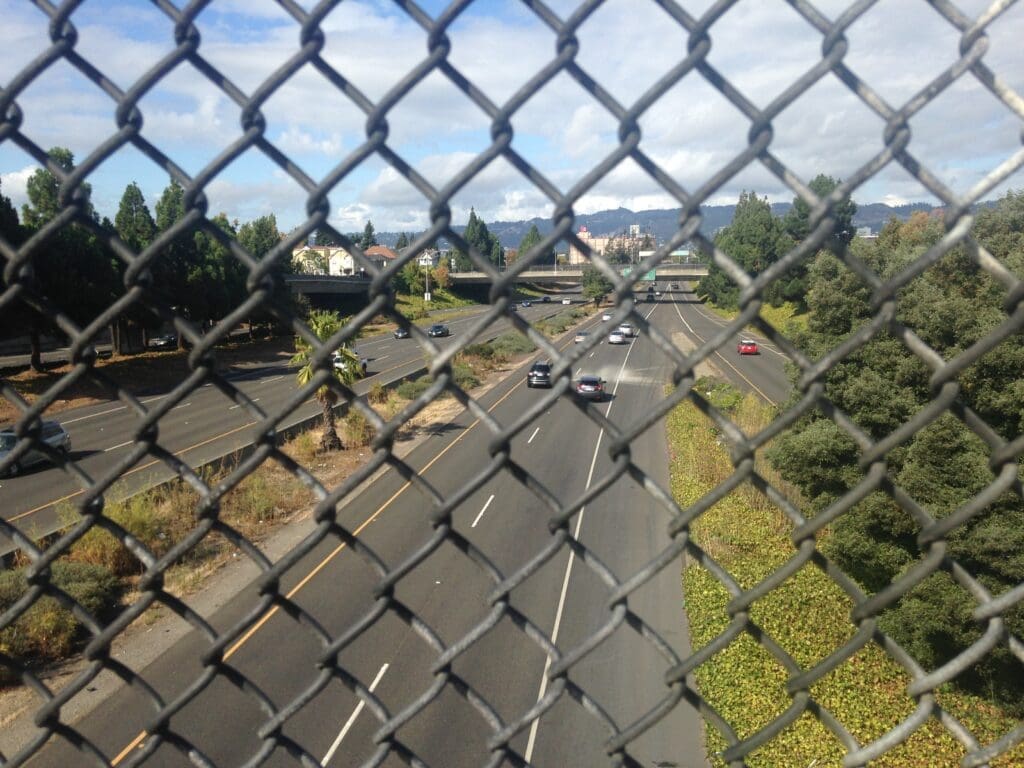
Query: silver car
(53, 434)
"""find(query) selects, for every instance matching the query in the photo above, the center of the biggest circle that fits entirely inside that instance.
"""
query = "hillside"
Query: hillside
(661, 224)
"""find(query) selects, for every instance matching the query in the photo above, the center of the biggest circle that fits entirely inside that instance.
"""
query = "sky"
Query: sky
(691, 132)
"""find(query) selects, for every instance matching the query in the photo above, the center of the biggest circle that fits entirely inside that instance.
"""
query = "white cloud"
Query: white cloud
(14, 185)
(691, 132)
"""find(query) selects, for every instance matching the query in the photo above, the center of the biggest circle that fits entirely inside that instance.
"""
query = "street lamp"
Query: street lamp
(426, 290)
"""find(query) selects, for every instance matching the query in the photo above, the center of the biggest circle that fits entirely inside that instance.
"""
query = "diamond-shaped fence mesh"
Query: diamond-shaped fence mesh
(501, 621)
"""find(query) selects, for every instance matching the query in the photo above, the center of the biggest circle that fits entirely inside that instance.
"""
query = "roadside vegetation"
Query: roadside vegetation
(952, 306)
(808, 616)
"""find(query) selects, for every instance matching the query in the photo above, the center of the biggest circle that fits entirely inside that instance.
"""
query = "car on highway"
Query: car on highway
(567, 301)
(539, 374)
(438, 329)
(513, 308)
(628, 330)
(546, 300)
(747, 347)
(591, 388)
(526, 304)
(341, 363)
(674, 286)
(606, 317)
(616, 337)
(401, 333)
(164, 341)
(581, 336)
(51, 433)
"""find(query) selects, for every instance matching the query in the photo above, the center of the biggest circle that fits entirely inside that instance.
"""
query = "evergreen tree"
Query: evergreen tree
(754, 240)
(402, 243)
(369, 237)
(134, 223)
(71, 268)
(531, 239)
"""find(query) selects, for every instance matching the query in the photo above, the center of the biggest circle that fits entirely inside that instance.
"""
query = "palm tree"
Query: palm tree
(346, 368)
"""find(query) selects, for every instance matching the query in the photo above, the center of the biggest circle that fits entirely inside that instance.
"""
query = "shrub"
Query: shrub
(48, 631)
(511, 344)
(464, 375)
(412, 389)
(377, 394)
(358, 430)
(483, 351)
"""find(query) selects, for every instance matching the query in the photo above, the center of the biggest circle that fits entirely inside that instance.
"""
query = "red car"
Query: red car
(747, 347)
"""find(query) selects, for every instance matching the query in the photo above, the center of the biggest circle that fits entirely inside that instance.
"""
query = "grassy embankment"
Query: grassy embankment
(808, 616)
(100, 573)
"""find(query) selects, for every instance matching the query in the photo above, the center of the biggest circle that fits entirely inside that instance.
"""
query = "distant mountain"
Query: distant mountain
(662, 224)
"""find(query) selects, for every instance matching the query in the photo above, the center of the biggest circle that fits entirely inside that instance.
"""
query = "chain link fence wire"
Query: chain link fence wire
(21, 294)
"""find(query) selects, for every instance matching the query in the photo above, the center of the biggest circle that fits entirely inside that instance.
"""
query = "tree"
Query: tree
(71, 269)
(880, 386)
(324, 237)
(325, 324)
(402, 242)
(369, 237)
(792, 286)
(797, 219)
(595, 285)
(477, 235)
(134, 223)
(754, 240)
(530, 240)
(441, 276)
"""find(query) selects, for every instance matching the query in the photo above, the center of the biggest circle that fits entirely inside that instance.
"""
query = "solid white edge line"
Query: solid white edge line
(531, 742)
(119, 445)
(533, 435)
(352, 718)
(486, 505)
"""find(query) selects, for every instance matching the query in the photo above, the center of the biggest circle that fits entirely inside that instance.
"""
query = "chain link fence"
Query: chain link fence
(21, 294)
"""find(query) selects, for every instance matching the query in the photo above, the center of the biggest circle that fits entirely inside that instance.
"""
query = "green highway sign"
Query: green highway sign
(651, 276)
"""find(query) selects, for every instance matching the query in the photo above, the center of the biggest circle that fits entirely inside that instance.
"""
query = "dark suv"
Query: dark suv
(539, 375)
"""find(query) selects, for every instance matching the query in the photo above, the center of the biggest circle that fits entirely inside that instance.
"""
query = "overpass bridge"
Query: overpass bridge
(354, 284)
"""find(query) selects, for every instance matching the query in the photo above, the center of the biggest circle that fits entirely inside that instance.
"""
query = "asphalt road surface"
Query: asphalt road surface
(499, 676)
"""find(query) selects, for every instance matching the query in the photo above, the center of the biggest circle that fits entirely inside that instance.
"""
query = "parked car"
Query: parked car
(526, 303)
(567, 301)
(628, 330)
(51, 433)
(401, 333)
(591, 388)
(616, 337)
(581, 336)
(341, 363)
(747, 347)
(164, 341)
(539, 375)
(438, 329)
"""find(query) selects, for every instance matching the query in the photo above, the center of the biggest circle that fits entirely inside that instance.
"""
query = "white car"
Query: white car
(616, 337)
(341, 363)
(567, 301)
(628, 330)
(606, 317)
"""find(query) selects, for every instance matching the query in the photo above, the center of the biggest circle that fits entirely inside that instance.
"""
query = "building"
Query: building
(335, 260)
(630, 243)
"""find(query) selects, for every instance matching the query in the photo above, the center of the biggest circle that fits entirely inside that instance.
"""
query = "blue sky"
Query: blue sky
(761, 46)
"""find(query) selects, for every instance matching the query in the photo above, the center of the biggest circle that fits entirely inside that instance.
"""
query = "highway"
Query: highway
(204, 425)
(501, 674)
